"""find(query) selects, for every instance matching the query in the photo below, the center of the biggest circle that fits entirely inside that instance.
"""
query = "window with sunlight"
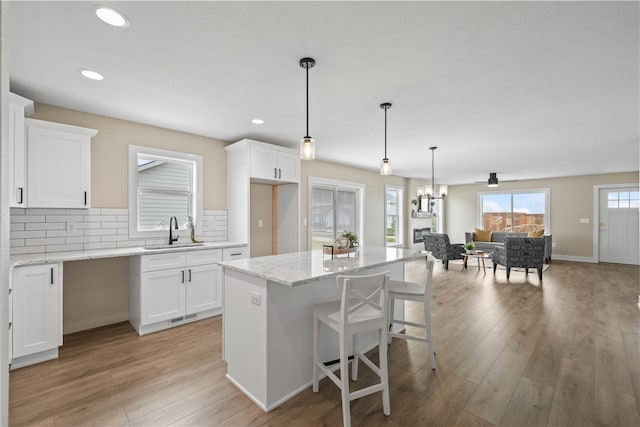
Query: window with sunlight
(393, 215)
(514, 211)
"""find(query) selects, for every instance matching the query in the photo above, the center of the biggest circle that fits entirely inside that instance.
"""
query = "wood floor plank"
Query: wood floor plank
(530, 404)
(501, 347)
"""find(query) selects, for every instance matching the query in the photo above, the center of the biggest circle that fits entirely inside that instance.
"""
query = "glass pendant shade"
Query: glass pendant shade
(385, 167)
(443, 190)
(307, 148)
(428, 191)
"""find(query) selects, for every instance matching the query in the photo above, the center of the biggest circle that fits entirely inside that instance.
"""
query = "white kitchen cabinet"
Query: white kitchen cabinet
(19, 108)
(173, 288)
(37, 313)
(229, 254)
(58, 165)
(249, 162)
(274, 164)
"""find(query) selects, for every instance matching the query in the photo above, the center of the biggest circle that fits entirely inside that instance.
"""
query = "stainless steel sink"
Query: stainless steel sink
(173, 246)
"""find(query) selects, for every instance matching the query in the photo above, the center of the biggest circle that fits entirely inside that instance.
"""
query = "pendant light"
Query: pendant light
(385, 165)
(429, 191)
(493, 179)
(307, 144)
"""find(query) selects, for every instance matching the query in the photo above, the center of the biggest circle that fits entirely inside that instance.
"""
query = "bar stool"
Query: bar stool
(363, 308)
(407, 291)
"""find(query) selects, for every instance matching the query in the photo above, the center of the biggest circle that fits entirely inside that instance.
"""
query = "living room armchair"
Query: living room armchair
(438, 244)
(523, 252)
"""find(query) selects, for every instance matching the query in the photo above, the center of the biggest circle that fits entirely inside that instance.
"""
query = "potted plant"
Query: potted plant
(470, 247)
(353, 238)
(414, 205)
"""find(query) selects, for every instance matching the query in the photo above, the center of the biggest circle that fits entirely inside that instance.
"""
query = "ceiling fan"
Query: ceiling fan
(493, 180)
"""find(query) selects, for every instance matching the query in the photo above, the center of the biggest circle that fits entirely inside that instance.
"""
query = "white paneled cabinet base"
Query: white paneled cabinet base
(36, 305)
(175, 288)
(58, 165)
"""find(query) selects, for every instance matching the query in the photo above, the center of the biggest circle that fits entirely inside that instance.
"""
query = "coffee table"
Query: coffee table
(479, 255)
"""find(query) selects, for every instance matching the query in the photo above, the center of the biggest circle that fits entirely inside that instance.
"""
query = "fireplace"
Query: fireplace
(418, 234)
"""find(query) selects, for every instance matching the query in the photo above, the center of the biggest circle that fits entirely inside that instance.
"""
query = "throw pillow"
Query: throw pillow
(536, 233)
(482, 235)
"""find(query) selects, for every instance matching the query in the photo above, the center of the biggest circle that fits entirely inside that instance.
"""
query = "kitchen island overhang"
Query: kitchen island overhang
(268, 316)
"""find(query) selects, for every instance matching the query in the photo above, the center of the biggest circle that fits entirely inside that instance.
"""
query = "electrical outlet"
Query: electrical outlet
(205, 223)
(255, 298)
(260, 223)
(554, 244)
(71, 227)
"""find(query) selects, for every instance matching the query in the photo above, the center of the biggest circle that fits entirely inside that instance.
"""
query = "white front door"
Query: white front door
(619, 225)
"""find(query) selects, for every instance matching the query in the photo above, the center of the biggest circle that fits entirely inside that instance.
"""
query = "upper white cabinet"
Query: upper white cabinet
(19, 108)
(58, 165)
(249, 162)
(274, 164)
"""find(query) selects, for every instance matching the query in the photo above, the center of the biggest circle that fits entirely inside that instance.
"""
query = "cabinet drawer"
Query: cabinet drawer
(235, 253)
(210, 256)
(162, 261)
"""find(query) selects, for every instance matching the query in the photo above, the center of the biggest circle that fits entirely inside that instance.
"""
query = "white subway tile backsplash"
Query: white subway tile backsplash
(45, 230)
(64, 248)
(110, 211)
(27, 218)
(28, 250)
(14, 243)
(46, 226)
(101, 245)
(28, 234)
(16, 226)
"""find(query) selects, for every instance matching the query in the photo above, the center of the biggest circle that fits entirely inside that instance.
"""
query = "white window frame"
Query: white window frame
(336, 184)
(547, 204)
(196, 194)
(400, 222)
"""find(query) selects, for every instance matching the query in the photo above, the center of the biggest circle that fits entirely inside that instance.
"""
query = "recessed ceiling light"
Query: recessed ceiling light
(257, 121)
(112, 17)
(93, 75)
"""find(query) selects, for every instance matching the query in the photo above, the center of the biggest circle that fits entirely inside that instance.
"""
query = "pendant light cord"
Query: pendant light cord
(307, 68)
(385, 132)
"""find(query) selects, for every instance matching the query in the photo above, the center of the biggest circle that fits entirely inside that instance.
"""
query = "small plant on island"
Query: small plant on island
(353, 237)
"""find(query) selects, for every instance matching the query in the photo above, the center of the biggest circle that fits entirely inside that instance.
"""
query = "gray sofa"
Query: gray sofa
(497, 241)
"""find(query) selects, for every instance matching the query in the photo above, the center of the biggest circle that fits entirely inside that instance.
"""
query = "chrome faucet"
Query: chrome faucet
(173, 220)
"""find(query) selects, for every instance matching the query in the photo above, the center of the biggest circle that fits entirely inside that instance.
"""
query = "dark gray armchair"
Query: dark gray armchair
(523, 252)
(438, 244)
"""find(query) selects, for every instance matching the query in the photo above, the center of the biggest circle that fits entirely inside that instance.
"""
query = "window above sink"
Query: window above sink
(162, 184)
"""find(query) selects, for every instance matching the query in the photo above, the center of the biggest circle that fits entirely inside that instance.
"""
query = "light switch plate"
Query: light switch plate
(255, 298)
(584, 220)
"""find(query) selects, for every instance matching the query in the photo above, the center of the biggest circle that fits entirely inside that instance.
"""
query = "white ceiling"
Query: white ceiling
(525, 89)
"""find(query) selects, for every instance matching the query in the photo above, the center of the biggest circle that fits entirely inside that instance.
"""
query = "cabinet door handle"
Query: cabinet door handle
(182, 276)
(85, 198)
(279, 173)
(52, 275)
(275, 172)
(21, 195)
(9, 325)
(189, 275)
(236, 254)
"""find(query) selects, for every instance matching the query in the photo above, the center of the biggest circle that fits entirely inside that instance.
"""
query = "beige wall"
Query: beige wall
(96, 291)
(374, 196)
(109, 155)
(571, 199)
(261, 238)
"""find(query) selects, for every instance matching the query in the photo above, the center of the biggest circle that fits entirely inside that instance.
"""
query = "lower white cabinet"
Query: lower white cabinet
(173, 288)
(36, 318)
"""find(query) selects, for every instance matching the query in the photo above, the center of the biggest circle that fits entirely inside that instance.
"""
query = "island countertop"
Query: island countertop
(297, 268)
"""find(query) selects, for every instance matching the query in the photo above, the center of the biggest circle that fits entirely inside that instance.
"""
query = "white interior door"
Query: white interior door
(619, 239)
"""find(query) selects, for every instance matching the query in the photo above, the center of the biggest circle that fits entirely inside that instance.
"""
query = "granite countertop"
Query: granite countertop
(27, 259)
(303, 267)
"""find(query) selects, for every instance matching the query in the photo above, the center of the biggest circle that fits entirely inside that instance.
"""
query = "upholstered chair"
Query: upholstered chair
(523, 252)
(438, 244)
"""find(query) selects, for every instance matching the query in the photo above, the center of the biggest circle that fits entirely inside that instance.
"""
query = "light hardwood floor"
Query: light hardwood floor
(509, 353)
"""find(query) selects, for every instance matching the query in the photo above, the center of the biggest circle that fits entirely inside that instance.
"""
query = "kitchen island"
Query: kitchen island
(268, 316)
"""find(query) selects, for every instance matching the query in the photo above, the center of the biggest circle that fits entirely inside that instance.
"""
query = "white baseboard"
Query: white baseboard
(592, 260)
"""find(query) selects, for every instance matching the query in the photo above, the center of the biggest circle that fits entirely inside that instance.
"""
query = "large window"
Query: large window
(515, 211)
(162, 184)
(334, 207)
(393, 214)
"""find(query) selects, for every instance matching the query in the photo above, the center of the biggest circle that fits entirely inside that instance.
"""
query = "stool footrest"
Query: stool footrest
(365, 392)
(408, 337)
(404, 322)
